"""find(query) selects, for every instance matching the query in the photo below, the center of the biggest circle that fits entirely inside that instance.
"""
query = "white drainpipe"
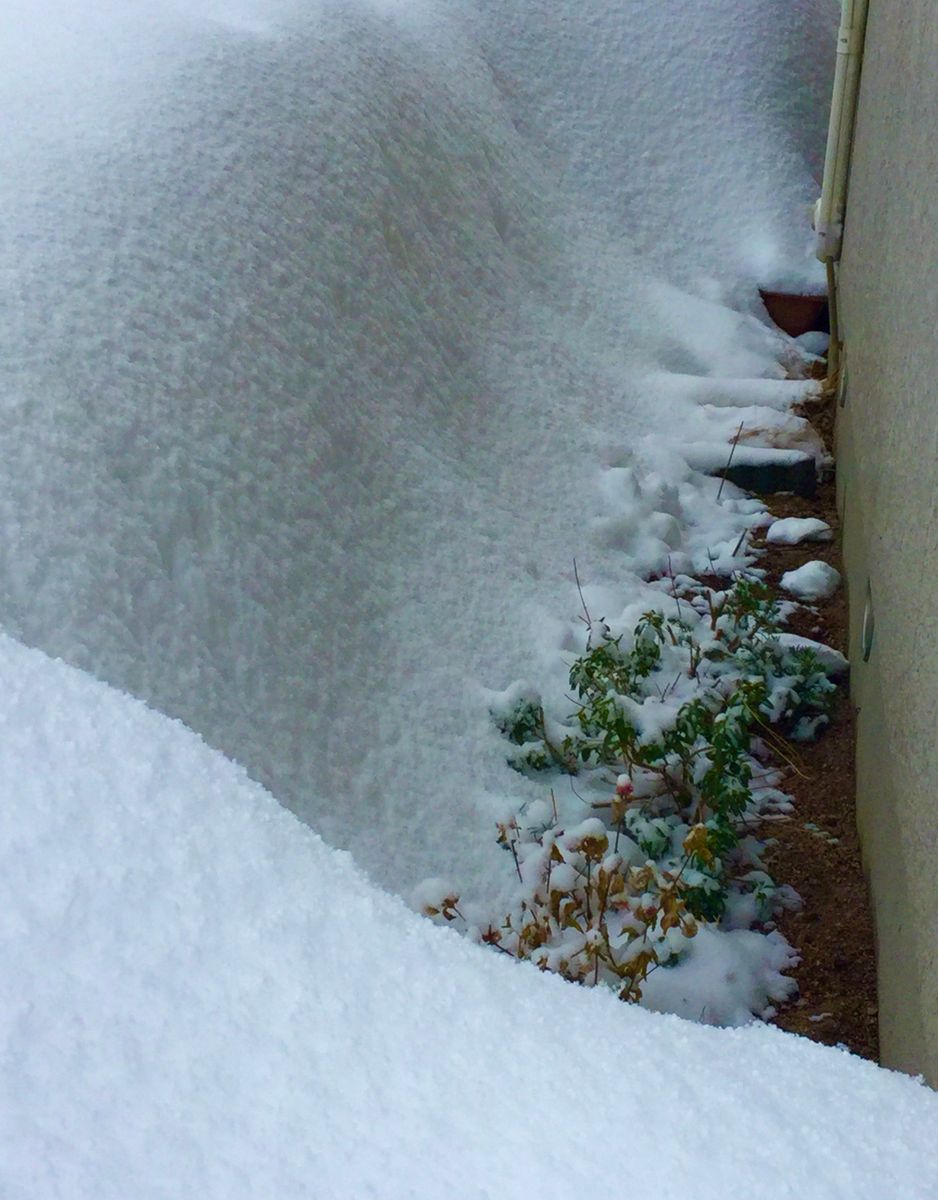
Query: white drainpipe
(829, 210)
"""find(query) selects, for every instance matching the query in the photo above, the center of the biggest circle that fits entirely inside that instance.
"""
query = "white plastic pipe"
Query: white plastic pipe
(829, 210)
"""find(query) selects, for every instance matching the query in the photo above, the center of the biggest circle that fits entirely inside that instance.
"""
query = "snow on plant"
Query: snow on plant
(666, 729)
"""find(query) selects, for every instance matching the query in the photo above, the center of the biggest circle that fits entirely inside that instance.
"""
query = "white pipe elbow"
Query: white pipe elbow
(828, 217)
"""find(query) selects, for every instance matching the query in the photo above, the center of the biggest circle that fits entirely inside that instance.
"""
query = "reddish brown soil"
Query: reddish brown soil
(817, 850)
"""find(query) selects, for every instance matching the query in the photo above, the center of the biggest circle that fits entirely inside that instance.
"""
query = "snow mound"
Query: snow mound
(833, 662)
(816, 580)
(724, 976)
(200, 999)
(790, 531)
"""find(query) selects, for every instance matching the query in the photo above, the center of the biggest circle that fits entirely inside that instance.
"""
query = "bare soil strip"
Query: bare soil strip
(817, 851)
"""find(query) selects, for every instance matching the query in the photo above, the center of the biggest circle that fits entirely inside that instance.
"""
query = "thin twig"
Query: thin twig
(673, 684)
(729, 461)
(581, 799)
(778, 745)
(677, 598)
(576, 576)
(514, 855)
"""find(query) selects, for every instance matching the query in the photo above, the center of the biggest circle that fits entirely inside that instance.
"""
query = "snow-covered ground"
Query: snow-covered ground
(200, 999)
(331, 334)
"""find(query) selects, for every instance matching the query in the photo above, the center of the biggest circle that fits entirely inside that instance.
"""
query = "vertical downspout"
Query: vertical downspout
(830, 208)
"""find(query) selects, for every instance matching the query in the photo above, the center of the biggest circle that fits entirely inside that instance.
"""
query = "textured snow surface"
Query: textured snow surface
(698, 129)
(815, 580)
(320, 322)
(200, 999)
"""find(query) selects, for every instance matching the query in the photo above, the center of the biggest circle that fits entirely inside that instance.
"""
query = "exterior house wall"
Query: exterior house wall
(887, 436)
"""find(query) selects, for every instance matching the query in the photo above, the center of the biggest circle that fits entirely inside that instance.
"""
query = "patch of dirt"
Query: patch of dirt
(817, 851)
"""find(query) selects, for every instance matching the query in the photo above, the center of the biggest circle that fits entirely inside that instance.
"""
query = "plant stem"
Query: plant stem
(729, 461)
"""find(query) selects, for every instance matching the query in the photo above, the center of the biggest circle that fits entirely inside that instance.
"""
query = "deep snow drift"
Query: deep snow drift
(324, 349)
(696, 129)
(319, 321)
(234, 1011)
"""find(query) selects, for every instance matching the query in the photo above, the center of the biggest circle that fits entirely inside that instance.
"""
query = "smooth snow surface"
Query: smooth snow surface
(790, 531)
(326, 347)
(814, 342)
(201, 1000)
(816, 580)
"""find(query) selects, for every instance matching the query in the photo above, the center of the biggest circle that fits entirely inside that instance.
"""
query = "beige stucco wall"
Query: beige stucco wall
(888, 492)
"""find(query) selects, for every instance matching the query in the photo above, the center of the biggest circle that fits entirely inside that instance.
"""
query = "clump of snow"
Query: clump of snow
(714, 456)
(723, 976)
(199, 998)
(435, 898)
(831, 660)
(790, 531)
(815, 580)
(813, 342)
(807, 729)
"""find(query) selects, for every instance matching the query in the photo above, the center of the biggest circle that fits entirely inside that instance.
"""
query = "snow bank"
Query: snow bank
(696, 129)
(200, 999)
(316, 331)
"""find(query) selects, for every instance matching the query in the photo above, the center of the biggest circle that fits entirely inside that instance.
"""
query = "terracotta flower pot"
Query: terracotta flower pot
(796, 314)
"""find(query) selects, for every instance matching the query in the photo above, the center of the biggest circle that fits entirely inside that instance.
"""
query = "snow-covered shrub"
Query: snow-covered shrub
(663, 732)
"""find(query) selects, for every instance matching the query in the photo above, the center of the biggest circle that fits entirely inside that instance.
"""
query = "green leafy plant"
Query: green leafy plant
(663, 718)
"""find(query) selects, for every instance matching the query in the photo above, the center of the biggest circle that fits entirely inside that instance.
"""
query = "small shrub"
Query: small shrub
(612, 898)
